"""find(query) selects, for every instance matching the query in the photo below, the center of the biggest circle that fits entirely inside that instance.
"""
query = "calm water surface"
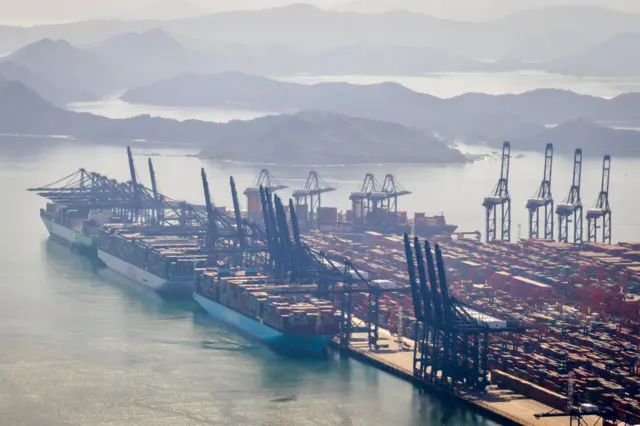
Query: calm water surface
(80, 348)
(114, 107)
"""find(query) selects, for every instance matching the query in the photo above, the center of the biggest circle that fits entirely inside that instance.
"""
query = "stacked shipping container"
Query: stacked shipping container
(567, 296)
(257, 298)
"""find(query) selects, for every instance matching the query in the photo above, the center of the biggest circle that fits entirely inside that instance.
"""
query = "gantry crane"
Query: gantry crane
(157, 197)
(542, 198)
(499, 197)
(452, 338)
(606, 416)
(391, 190)
(601, 209)
(135, 188)
(254, 205)
(375, 205)
(572, 206)
(361, 202)
(310, 196)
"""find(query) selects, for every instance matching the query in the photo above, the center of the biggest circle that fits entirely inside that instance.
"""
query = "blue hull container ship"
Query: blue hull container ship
(289, 324)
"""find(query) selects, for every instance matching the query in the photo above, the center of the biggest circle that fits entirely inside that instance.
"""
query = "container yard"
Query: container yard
(533, 332)
(580, 307)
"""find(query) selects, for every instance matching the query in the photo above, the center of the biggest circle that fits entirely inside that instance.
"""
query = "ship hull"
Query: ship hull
(71, 238)
(289, 344)
(165, 287)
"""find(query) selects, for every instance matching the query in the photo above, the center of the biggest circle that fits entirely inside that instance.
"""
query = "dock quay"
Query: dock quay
(500, 404)
(531, 333)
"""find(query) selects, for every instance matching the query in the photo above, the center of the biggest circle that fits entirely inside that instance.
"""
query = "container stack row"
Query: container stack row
(284, 307)
(166, 256)
(581, 306)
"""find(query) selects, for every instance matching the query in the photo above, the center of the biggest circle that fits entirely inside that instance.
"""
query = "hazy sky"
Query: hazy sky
(26, 12)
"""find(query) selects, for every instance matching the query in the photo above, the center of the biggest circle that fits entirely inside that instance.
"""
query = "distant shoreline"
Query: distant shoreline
(68, 139)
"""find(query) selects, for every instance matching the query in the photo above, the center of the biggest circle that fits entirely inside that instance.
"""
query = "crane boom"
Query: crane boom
(570, 210)
(542, 199)
(601, 209)
(134, 183)
(499, 197)
(156, 194)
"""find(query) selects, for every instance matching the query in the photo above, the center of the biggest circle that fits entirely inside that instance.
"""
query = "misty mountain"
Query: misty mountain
(477, 11)
(147, 56)
(549, 32)
(473, 116)
(621, 110)
(535, 34)
(315, 137)
(532, 35)
(594, 140)
(615, 57)
(80, 33)
(542, 105)
(390, 102)
(67, 66)
(52, 92)
(22, 111)
(304, 138)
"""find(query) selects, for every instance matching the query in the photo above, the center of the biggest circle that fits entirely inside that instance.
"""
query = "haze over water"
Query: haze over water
(444, 85)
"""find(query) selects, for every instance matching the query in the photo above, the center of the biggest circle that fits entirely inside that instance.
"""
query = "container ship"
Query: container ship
(163, 263)
(75, 228)
(289, 323)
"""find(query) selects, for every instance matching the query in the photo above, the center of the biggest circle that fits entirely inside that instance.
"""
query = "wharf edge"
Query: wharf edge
(387, 367)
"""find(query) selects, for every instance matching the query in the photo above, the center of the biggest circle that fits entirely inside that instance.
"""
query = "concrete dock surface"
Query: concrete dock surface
(516, 408)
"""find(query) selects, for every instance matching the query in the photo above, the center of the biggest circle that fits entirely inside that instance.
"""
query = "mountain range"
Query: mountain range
(62, 72)
(318, 137)
(55, 92)
(535, 35)
(304, 138)
(611, 58)
(308, 137)
(594, 140)
(474, 117)
(477, 11)
(147, 56)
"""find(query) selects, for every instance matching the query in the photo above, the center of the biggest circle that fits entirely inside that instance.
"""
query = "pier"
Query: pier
(502, 405)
